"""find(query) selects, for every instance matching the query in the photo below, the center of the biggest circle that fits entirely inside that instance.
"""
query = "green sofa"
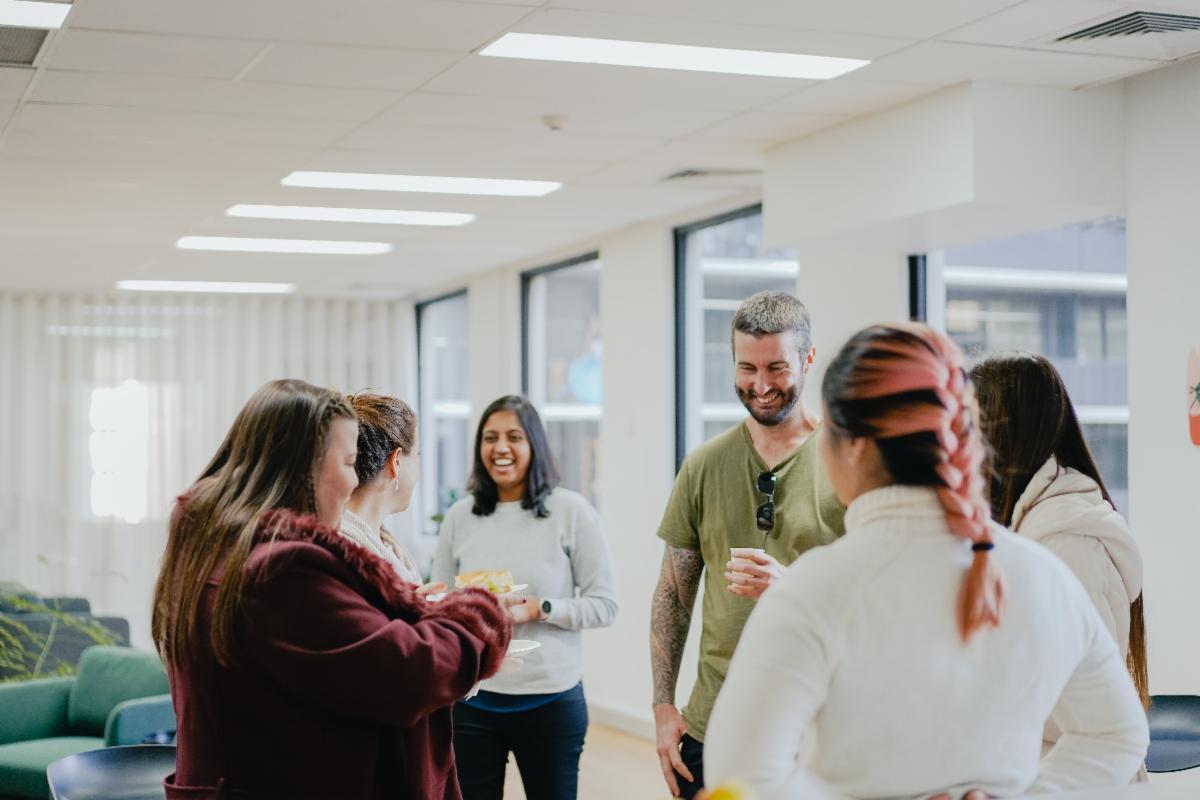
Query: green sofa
(119, 696)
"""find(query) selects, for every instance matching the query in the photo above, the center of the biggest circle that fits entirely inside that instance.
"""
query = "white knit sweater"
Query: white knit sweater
(852, 666)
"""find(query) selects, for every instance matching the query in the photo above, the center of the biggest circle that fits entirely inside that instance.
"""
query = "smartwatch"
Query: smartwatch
(545, 608)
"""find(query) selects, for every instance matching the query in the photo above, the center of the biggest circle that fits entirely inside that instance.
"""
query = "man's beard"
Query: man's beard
(789, 397)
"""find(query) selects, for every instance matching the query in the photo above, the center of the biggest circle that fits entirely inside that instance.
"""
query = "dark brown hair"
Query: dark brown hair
(385, 424)
(540, 479)
(268, 459)
(1027, 418)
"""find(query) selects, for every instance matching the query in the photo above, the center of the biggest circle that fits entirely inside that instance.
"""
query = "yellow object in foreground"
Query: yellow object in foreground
(729, 791)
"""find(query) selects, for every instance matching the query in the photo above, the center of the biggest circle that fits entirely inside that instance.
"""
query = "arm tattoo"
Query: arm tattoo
(671, 616)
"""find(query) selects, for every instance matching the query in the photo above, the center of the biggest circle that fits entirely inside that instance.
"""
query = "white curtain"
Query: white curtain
(111, 404)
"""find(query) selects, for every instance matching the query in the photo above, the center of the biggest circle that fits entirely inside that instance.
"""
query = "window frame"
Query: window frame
(527, 278)
(423, 413)
(681, 234)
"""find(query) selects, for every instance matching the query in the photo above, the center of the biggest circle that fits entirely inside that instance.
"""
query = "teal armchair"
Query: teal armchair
(119, 696)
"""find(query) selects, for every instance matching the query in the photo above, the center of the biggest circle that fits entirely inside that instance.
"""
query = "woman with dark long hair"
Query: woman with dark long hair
(1044, 484)
(517, 519)
(897, 650)
(302, 665)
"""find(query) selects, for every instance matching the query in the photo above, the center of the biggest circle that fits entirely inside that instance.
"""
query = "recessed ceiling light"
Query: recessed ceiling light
(420, 183)
(237, 244)
(378, 215)
(238, 287)
(617, 52)
(30, 14)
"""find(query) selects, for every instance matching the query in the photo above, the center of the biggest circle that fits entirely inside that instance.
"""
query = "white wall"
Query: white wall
(1163, 129)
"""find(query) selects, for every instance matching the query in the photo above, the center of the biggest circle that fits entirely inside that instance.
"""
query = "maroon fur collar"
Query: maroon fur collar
(476, 609)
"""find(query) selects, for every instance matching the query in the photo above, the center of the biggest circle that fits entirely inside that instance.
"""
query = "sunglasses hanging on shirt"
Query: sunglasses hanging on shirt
(764, 516)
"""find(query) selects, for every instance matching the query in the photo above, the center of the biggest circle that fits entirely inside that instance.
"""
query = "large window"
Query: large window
(1060, 293)
(563, 366)
(719, 263)
(445, 410)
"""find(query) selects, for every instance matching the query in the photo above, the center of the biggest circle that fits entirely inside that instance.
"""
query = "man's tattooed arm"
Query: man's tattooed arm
(671, 617)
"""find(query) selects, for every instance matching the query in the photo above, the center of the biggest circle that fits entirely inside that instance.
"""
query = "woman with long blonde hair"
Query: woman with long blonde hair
(922, 652)
(301, 665)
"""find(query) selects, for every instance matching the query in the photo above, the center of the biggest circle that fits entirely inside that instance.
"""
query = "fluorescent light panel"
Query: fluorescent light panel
(371, 181)
(616, 52)
(28, 14)
(235, 244)
(377, 215)
(238, 287)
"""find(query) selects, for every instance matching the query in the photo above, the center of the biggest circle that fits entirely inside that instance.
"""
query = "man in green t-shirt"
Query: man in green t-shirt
(757, 486)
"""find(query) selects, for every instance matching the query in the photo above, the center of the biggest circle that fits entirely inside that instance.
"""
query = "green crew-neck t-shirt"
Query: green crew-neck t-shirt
(712, 508)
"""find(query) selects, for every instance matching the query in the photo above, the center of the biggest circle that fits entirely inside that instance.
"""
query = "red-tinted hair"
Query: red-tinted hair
(905, 386)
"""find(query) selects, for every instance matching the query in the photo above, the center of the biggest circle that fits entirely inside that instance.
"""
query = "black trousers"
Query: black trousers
(546, 742)
(692, 753)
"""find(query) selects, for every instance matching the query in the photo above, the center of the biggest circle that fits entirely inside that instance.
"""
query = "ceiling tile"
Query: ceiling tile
(850, 97)
(768, 128)
(142, 124)
(707, 154)
(385, 23)
(706, 33)
(864, 17)
(505, 78)
(13, 81)
(948, 63)
(478, 164)
(577, 115)
(1032, 19)
(198, 94)
(363, 68)
(500, 143)
(147, 54)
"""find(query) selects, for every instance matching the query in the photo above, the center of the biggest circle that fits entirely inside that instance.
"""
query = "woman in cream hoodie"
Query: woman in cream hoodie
(1045, 486)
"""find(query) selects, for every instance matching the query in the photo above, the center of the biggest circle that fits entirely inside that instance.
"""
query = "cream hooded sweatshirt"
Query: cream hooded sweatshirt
(1063, 510)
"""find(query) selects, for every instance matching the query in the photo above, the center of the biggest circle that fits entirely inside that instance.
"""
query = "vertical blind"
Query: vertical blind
(111, 404)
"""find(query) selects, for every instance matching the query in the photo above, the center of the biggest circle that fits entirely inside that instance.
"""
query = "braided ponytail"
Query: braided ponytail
(905, 386)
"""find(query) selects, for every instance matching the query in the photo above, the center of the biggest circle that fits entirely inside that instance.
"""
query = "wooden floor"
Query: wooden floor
(615, 766)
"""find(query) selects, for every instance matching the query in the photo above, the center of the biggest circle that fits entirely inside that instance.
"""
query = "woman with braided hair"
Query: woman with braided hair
(921, 653)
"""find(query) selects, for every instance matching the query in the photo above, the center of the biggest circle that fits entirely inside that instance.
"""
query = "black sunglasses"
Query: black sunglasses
(764, 517)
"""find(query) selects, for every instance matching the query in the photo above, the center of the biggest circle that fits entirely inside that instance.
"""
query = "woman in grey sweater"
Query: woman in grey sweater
(517, 518)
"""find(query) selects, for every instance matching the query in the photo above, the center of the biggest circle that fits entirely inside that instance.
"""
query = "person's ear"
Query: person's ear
(807, 363)
(856, 450)
(394, 462)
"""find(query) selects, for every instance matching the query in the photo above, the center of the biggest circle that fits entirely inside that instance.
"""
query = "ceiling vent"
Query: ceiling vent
(1135, 24)
(684, 174)
(20, 46)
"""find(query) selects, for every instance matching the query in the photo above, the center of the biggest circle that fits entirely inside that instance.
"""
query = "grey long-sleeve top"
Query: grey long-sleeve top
(564, 559)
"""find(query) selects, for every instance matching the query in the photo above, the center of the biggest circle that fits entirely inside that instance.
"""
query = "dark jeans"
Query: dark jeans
(692, 753)
(546, 742)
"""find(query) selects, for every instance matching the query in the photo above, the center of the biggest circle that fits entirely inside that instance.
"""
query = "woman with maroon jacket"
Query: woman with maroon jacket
(301, 665)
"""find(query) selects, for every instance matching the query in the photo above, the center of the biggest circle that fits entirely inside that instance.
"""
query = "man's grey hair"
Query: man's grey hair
(768, 313)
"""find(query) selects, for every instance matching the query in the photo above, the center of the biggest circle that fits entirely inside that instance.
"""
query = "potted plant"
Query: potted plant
(27, 642)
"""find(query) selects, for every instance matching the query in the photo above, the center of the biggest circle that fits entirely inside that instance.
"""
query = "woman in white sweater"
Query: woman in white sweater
(893, 662)
(1046, 486)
